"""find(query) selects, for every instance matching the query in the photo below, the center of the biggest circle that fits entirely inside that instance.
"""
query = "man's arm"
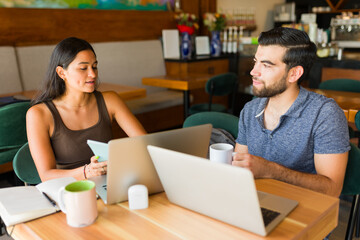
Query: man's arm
(329, 178)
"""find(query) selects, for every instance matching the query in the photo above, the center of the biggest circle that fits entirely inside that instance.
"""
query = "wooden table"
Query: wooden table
(348, 101)
(314, 218)
(184, 83)
(125, 92)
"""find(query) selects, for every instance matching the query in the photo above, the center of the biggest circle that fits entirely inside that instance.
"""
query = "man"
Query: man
(288, 133)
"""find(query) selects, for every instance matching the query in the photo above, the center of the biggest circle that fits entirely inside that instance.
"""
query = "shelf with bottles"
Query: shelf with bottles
(233, 41)
(243, 18)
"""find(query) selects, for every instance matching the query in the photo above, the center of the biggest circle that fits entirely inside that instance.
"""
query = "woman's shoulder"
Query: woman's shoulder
(110, 96)
(38, 111)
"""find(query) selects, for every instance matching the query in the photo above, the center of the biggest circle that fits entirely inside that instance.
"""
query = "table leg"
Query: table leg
(186, 103)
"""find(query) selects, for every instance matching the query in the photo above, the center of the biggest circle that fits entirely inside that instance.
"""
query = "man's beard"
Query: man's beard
(272, 90)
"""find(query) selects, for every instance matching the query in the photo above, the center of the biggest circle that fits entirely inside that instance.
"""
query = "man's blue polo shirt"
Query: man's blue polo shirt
(313, 124)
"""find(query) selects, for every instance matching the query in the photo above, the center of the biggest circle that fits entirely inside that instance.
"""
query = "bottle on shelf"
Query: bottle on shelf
(225, 41)
(230, 39)
(241, 33)
(235, 40)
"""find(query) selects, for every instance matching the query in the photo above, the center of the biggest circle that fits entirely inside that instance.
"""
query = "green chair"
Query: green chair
(220, 85)
(225, 121)
(341, 84)
(24, 166)
(352, 187)
(12, 132)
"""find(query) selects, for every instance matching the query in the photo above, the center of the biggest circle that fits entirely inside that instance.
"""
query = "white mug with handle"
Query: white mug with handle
(221, 153)
(78, 201)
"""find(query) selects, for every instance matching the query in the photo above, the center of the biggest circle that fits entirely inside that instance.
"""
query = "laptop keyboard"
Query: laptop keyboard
(268, 215)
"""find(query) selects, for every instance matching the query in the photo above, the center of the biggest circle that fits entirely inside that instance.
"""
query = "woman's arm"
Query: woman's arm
(39, 126)
(121, 113)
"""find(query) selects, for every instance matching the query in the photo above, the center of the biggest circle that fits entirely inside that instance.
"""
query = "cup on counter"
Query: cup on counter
(78, 201)
(221, 152)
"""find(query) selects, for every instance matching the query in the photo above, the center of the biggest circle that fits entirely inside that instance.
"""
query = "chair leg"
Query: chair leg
(357, 232)
(353, 212)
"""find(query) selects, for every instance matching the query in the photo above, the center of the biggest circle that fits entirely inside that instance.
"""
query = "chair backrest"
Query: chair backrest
(341, 84)
(225, 121)
(13, 125)
(357, 120)
(351, 184)
(222, 84)
(24, 166)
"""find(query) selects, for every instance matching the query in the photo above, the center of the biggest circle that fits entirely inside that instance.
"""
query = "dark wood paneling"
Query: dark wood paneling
(29, 26)
(42, 26)
(191, 6)
(206, 6)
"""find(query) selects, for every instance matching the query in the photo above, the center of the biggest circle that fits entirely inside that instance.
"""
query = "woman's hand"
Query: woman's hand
(95, 168)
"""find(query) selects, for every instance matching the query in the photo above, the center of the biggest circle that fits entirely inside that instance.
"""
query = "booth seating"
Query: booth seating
(126, 63)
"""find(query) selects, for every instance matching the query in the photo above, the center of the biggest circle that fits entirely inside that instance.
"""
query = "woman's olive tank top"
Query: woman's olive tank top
(69, 146)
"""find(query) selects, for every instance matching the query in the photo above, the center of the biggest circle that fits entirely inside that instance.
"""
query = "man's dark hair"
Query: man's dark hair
(301, 51)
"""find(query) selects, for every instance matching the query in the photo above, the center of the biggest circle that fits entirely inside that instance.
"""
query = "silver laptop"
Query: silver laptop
(129, 162)
(220, 191)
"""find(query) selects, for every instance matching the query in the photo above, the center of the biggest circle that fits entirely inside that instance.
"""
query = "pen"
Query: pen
(50, 200)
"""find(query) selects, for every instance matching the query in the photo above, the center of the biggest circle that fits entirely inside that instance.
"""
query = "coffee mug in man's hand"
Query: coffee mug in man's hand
(78, 201)
(221, 152)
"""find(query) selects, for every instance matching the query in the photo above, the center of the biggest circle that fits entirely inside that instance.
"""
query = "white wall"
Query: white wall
(263, 11)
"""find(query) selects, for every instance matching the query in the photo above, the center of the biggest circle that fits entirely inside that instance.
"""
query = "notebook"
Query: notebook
(24, 203)
(129, 162)
(220, 191)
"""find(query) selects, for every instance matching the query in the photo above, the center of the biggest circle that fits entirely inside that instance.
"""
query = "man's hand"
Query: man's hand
(257, 165)
(329, 178)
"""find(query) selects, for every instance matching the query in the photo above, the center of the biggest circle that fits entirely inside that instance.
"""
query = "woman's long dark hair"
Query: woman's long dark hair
(64, 53)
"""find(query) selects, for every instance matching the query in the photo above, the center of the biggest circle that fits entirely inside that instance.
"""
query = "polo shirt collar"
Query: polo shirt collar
(294, 110)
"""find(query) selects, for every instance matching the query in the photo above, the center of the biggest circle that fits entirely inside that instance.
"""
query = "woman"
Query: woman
(69, 110)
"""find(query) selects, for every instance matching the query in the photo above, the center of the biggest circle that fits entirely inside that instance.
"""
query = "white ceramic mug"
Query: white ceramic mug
(221, 152)
(78, 201)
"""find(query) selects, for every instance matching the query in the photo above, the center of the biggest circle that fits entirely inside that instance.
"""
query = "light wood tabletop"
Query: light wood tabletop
(348, 101)
(125, 92)
(184, 83)
(314, 218)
